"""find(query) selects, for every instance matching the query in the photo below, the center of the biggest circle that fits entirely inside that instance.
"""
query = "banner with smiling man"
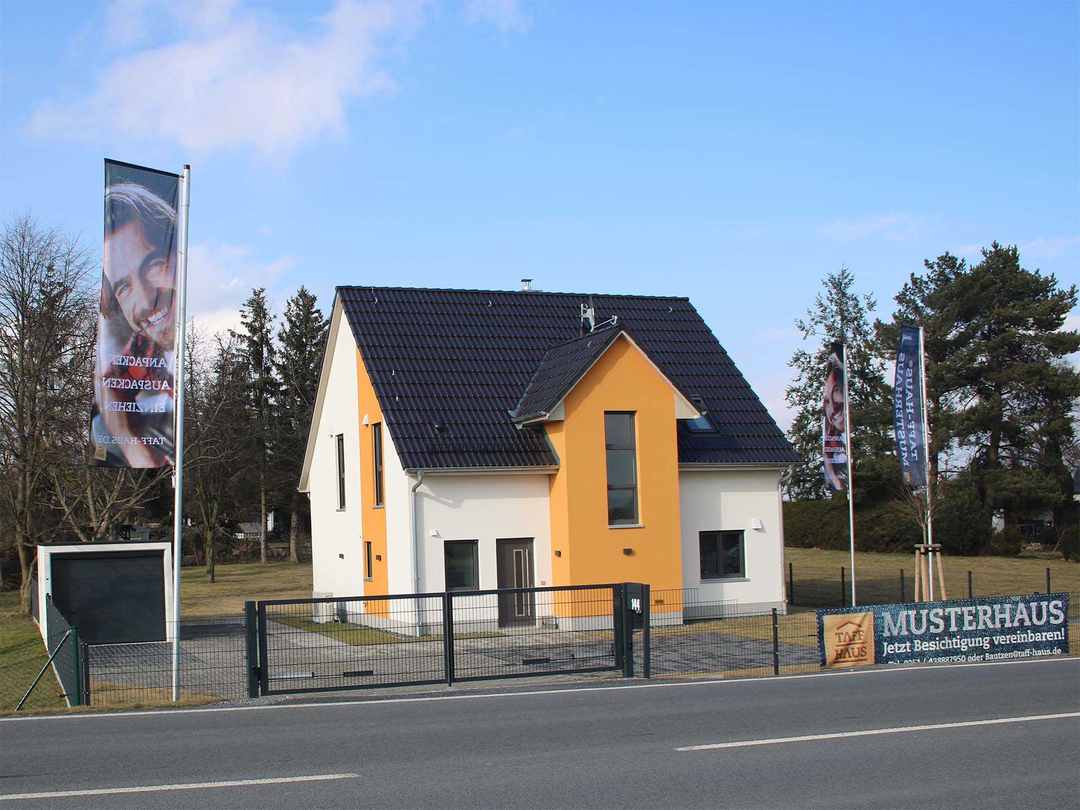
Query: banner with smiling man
(133, 418)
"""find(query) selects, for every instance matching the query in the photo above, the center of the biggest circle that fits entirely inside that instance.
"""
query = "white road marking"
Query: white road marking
(875, 731)
(70, 794)
(568, 690)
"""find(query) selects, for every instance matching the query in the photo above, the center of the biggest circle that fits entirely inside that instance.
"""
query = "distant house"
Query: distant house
(468, 439)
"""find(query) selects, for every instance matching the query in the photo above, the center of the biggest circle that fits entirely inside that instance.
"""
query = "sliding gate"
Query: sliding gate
(328, 644)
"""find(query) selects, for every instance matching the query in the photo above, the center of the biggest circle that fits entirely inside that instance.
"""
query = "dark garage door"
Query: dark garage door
(111, 597)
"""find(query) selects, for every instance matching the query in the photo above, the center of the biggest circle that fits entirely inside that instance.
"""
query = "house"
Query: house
(470, 439)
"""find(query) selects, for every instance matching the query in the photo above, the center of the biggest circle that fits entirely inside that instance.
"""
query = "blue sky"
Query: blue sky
(730, 154)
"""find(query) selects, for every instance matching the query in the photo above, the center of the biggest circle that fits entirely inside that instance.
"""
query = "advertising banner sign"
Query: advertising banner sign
(990, 628)
(833, 423)
(908, 409)
(132, 423)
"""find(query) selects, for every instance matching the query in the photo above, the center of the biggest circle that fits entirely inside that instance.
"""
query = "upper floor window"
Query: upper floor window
(701, 423)
(619, 442)
(339, 442)
(376, 452)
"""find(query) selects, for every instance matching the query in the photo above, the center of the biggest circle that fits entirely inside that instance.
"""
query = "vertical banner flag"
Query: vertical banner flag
(132, 422)
(833, 427)
(908, 409)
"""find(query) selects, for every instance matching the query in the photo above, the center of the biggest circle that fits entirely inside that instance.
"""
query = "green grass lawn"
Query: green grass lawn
(990, 575)
(238, 582)
(22, 655)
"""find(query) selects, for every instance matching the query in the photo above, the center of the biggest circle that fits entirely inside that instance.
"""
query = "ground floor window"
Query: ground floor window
(722, 554)
(462, 565)
(369, 569)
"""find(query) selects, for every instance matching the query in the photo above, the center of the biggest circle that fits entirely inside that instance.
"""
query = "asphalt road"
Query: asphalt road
(588, 747)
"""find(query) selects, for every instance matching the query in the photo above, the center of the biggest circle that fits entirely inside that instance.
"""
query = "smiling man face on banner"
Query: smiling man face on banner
(132, 422)
(834, 423)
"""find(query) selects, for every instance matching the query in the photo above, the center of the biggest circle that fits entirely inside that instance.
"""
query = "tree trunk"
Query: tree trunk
(294, 529)
(208, 550)
(26, 575)
(262, 515)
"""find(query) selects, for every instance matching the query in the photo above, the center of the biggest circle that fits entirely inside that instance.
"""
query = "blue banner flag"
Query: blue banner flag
(908, 409)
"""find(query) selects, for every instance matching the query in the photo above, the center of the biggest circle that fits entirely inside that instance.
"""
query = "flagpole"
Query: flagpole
(850, 477)
(178, 470)
(926, 444)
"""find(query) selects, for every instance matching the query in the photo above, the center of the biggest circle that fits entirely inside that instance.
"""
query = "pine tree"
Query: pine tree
(839, 315)
(301, 342)
(1003, 355)
(256, 352)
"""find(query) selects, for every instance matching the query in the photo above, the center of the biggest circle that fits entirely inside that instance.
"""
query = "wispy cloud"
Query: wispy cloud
(228, 78)
(222, 276)
(893, 227)
(1049, 247)
(506, 15)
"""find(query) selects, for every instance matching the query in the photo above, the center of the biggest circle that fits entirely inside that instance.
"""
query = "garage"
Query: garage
(116, 592)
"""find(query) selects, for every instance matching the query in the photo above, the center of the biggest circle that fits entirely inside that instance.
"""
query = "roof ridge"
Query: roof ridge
(512, 292)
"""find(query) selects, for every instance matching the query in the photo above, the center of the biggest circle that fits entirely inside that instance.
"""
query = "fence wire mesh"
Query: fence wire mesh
(341, 643)
(213, 666)
(63, 644)
(532, 631)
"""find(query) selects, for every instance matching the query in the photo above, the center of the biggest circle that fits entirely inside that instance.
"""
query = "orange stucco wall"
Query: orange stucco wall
(589, 551)
(374, 517)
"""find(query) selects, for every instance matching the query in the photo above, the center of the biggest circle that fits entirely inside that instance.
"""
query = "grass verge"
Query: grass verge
(22, 655)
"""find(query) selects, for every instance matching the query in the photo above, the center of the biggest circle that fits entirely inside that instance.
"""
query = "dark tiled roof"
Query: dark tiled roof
(562, 366)
(448, 366)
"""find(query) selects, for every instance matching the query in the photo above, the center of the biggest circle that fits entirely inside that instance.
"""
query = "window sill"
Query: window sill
(340, 509)
(705, 581)
(378, 506)
(628, 526)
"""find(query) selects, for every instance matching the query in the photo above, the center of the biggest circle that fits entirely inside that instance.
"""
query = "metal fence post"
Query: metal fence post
(843, 588)
(646, 640)
(775, 643)
(251, 631)
(971, 587)
(264, 660)
(75, 676)
(618, 626)
(1048, 579)
(85, 679)
(448, 637)
(791, 583)
(903, 591)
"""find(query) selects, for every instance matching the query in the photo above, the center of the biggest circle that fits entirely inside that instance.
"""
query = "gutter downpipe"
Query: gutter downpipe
(415, 542)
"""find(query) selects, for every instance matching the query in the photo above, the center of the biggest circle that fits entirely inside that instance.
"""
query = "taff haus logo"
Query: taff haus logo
(849, 639)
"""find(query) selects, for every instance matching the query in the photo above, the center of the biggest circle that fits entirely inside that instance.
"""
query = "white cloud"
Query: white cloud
(221, 277)
(232, 79)
(893, 227)
(1049, 247)
(506, 15)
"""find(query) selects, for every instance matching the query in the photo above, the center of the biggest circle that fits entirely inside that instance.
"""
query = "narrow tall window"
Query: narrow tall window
(340, 441)
(369, 570)
(376, 452)
(621, 469)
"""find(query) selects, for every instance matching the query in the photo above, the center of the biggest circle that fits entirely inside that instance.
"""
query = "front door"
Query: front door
(515, 564)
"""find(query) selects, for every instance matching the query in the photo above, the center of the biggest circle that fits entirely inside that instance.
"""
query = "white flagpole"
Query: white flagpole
(178, 389)
(926, 444)
(850, 478)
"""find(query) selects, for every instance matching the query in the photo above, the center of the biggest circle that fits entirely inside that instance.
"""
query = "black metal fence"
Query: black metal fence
(820, 589)
(68, 655)
(213, 665)
(314, 645)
